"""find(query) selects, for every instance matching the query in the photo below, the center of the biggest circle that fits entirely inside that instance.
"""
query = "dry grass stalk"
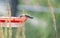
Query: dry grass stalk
(53, 17)
(22, 25)
(23, 30)
(9, 14)
(1, 31)
(18, 31)
(6, 30)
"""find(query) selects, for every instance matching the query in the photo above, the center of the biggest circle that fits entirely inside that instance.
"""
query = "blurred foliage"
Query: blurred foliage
(40, 30)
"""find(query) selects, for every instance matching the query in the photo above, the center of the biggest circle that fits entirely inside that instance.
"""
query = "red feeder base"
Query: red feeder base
(13, 19)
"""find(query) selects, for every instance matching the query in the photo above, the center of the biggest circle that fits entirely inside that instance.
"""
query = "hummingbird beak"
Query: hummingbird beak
(29, 16)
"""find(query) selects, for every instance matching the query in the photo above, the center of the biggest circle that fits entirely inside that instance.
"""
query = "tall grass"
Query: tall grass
(53, 17)
(18, 32)
(22, 27)
(23, 30)
(1, 31)
(5, 32)
(9, 14)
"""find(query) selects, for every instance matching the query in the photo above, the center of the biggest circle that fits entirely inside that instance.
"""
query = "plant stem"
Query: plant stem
(53, 17)
(1, 31)
(18, 32)
(23, 30)
(9, 14)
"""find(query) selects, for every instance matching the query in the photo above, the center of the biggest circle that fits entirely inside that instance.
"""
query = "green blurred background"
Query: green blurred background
(41, 26)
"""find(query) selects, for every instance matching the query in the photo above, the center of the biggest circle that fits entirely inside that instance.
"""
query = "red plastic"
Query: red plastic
(13, 19)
